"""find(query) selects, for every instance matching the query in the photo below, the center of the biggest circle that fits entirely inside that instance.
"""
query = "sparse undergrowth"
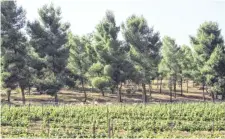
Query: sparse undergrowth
(73, 96)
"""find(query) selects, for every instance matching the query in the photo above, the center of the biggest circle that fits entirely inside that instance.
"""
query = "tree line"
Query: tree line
(44, 54)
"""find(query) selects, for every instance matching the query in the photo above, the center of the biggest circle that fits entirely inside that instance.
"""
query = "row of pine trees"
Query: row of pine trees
(44, 54)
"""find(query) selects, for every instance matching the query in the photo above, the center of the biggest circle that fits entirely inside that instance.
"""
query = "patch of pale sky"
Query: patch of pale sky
(175, 18)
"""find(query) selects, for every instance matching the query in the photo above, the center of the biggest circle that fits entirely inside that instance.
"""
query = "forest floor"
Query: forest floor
(69, 96)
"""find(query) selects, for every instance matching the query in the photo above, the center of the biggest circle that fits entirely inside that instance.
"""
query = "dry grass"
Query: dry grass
(74, 97)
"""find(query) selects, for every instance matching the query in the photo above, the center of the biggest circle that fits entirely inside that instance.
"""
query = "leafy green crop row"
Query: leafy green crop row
(125, 120)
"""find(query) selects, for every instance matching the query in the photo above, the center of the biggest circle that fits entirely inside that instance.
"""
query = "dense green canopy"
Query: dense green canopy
(44, 54)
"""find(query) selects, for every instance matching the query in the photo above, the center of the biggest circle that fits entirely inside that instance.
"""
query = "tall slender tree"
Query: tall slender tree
(144, 48)
(78, 61)
(214, 69)
(207, 39)
(48, 37)
(109, 52)
(169, 64)
(14, 51)
(186, 63)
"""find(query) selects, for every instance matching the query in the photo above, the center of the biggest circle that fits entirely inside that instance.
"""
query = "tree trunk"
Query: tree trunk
(9, 94)
(174, 88)
(103, 94)
(212, 96)
(29, 88)
(170, 85)
(150, 91)
(23, 94)
(160, 90)
(157, 82)
(181, 89)
(171, 95)
(56, 98)
(203, 91)
(85, 94)
(144, 93)
(187, 86)
(193, 83)
(119, 92)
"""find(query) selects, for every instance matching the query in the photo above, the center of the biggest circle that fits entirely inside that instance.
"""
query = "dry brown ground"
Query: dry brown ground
(75, 97)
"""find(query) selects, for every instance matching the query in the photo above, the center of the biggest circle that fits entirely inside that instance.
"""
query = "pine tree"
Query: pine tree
(14, 50)
(214, 69)
(144, 49)
(186, 64)
(49, 38)
(78, 61)
(107, 48)
(169, 64)
(207, 39)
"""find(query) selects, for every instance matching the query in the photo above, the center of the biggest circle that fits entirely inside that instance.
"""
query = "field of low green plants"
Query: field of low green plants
(102, 121)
